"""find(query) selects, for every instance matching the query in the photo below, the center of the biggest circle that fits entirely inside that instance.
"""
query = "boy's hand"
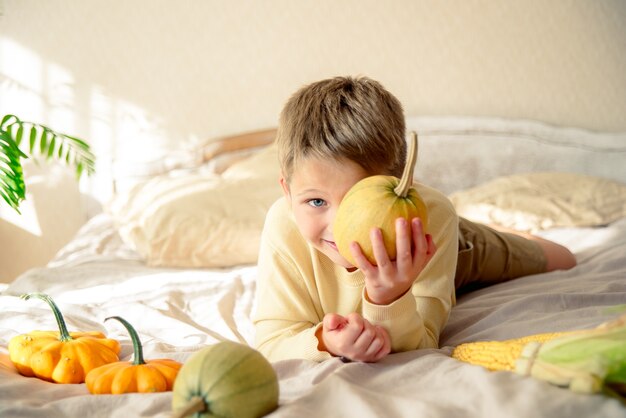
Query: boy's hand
(389, 280)
(354, 337)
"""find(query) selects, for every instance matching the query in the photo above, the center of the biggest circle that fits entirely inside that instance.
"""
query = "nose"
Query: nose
(331, 214)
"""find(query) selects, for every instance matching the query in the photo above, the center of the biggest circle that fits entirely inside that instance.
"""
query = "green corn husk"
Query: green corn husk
(586, 362)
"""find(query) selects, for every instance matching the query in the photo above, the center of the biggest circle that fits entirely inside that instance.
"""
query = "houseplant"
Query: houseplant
(43, 141)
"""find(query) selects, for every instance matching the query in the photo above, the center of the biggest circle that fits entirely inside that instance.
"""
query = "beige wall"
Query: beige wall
(49, 217)
(141, 78)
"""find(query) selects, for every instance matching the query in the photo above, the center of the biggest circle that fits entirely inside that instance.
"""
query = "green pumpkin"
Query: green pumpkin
(226, 379)
(377, 201)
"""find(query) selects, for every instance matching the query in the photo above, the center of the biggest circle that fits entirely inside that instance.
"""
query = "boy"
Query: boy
(311, 302)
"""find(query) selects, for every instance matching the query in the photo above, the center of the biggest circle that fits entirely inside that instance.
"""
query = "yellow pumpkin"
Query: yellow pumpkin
(140, 375)
(377, 201)
(226, 379)
(60, 357)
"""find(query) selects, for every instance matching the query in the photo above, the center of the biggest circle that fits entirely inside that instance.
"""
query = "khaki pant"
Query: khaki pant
(487, 257)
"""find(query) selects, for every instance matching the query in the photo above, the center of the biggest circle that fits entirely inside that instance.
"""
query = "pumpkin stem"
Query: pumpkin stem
(195, 404)
(137, 348)
(402, 189)
(64, 334)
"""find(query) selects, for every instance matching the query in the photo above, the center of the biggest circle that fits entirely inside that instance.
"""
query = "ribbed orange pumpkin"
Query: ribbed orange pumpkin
(60, 356)
(377, 201)
(144, 376)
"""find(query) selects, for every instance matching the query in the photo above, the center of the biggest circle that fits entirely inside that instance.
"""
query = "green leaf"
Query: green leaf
(79, 142)
(5, 120)
(11, 201)
(12, 185)
(33, 137)
(615, 309)
(20, 133)
(9, 145)
(43, 142)
(71, 150)
(51, 147)
(79, 170)
(7, 178)
(599, 352)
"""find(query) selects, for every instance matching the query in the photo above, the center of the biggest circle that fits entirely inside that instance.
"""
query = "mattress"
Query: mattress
(178, 310)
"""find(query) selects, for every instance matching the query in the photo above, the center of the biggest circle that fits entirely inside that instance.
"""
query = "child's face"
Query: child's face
(316, 189)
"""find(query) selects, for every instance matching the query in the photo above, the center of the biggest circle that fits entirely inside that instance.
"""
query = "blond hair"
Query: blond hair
(343, 117)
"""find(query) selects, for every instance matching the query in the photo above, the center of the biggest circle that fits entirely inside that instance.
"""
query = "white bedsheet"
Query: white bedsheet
(176, 312)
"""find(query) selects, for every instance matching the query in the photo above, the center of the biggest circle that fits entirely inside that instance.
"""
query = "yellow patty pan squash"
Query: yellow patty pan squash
(60, 357)
(377, 201)
(139, 375)
(226, 379)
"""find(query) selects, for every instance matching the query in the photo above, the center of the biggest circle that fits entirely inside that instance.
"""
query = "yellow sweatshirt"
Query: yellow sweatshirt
(297, 285)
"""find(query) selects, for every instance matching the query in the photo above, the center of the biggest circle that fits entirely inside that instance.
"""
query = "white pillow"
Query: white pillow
(536, 201)
(207, 220)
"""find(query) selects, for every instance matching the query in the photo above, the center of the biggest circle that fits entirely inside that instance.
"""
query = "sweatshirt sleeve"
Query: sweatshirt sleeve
(416, 319)
(287, 314)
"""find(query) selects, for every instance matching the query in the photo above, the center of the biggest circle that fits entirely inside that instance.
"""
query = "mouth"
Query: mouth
(331, 244)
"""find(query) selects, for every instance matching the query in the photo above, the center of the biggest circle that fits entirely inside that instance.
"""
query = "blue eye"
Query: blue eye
(316, 203)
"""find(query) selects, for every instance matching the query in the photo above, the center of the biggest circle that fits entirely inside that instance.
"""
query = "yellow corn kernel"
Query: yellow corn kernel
(494, 355)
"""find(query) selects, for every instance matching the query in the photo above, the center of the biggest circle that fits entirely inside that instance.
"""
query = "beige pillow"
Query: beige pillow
(200, 220)
(536, 201)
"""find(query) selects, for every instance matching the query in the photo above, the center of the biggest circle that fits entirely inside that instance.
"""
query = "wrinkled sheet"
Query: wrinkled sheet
(176, 312)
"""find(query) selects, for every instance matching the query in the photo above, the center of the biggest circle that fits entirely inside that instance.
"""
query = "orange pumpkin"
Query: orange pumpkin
(136, 376)
(60, 357)
(377, 201)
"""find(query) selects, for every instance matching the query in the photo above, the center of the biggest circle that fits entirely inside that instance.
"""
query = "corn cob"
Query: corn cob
(500, 355)
(586, 361)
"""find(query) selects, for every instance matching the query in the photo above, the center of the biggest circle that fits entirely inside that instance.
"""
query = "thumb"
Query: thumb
(334, 322)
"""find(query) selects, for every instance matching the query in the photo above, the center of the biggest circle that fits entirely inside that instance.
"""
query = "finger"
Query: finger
(386, 346)
(364, 340)
(404, 256)
(355, 319)
(419, 239)
(362, 263)
(374, 347)
(334, 322)
(354, 327)
(432, 248)
(378, 247)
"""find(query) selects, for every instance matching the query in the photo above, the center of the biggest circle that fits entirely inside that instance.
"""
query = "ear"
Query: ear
(285, 186)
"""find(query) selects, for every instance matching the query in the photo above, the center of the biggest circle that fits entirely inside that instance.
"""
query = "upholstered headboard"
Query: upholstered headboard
(460, 152)
(455, 153)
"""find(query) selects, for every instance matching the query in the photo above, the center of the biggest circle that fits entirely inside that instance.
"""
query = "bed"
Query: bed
(176, 257)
